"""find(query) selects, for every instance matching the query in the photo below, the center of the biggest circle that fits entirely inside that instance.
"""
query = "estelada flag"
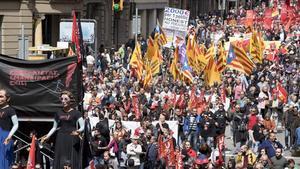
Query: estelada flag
(31, 157)
(282, 93)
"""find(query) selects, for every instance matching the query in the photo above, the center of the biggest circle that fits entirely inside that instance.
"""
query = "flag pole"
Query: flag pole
(136, 23)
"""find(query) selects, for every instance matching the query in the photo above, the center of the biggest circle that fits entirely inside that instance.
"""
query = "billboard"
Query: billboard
(88, 31)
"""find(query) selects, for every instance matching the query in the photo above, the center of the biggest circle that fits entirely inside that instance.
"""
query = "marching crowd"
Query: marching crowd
(253, 108)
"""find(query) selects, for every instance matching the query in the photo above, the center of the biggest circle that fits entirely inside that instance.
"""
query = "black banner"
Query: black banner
(35, 86)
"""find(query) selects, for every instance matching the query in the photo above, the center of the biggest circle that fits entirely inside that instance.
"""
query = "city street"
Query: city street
(230, 147)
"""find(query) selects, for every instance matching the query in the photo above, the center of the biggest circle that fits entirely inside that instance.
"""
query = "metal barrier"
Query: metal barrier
(19, 136)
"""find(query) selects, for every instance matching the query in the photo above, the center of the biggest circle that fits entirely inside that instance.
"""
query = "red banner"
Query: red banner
(282, 93)
(166, 150)
(136, 106)
(179, 161)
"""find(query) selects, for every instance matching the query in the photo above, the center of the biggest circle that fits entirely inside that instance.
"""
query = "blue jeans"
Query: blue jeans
(98, 159)
(255, 146)
(193, 139)
(287, 137)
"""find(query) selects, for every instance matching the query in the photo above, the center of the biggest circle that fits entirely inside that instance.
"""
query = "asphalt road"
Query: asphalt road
(280, 138)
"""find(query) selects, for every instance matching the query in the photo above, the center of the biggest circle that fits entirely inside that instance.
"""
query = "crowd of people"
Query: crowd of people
(254, 115)
(250, 107)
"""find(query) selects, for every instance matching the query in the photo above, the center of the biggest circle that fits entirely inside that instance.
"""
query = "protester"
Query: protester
(134, 113)
(270, 145)
(278, 161)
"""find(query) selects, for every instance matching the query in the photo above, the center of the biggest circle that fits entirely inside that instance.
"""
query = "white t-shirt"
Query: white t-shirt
(90, 60)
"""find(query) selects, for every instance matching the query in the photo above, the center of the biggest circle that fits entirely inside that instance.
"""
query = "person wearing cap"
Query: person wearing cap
(134, 149)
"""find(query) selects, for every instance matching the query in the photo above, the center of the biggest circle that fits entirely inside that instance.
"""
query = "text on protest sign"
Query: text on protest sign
(176, 19)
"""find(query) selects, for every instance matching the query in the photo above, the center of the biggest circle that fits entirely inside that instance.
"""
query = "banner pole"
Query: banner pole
(136, 23)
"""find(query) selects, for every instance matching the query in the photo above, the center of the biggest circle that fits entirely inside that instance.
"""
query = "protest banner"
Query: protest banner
(132, 125)
(35, 86)
(175, 25)
(176, 19)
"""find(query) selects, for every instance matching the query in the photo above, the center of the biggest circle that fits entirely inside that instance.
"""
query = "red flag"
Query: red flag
(179, 161)
(31, 157)
(180, 101)
(75, 36)
(201, 104)
(220, 140)
(283, 14)
(166, 150)
(193, 102)
(291, 16)
(250, 15)
(282, 93)
(272, 56)
(136, 107)
(268, 19)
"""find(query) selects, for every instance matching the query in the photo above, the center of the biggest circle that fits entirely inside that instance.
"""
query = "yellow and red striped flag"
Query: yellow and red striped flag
(211, 73)
(256, 47)
(174, 70)
(221, 62)
(136, 61)
(237, 59)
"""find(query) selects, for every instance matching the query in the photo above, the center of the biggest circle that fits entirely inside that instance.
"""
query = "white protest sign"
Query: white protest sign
(176, 19)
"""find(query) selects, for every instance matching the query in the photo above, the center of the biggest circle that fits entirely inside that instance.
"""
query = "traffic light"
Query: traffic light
(117, 5)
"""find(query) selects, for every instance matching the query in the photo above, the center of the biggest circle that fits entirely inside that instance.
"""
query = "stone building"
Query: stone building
(112, 30)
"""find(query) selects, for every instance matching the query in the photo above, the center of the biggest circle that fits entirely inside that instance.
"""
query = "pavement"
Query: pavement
(230, 147)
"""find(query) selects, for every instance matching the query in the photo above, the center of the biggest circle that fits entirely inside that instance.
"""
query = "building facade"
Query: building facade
(112, 29)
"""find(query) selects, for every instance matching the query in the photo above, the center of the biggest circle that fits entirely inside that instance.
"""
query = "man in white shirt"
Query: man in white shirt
(90, 60)
(133, 151)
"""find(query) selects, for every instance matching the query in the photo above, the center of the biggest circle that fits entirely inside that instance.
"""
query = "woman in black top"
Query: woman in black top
(8, 126)
(67, 145)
